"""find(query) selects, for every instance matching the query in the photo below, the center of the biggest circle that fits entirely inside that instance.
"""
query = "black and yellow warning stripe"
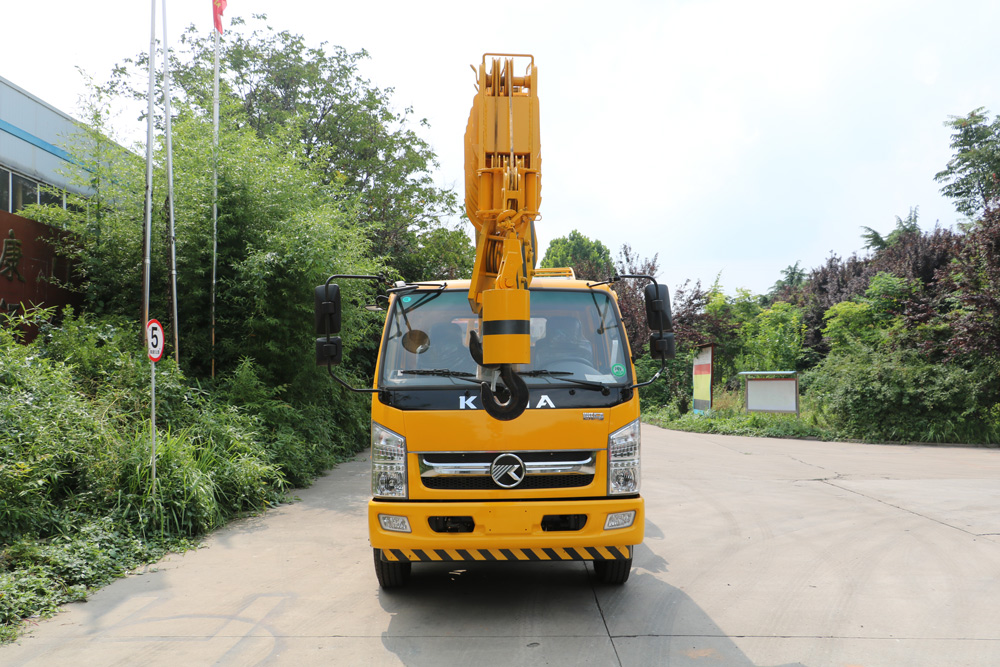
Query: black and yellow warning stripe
(506, 326)
(486, 555)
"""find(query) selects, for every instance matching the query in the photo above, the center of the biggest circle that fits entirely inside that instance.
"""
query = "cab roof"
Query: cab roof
(549, 278)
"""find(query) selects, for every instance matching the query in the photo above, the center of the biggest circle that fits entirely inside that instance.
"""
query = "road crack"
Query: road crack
(604, 619)
(899, 507)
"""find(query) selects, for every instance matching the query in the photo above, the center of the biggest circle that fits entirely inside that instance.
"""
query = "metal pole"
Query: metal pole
(149, 166)
(215, 188)
(170, 186)
(152, 418)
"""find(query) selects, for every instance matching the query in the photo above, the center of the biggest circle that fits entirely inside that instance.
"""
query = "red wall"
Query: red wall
(39, 265)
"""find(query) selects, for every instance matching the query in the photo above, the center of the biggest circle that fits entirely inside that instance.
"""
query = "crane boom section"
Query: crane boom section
(502, 194)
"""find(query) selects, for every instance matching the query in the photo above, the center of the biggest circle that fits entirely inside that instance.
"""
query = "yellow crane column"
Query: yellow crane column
(502, 194)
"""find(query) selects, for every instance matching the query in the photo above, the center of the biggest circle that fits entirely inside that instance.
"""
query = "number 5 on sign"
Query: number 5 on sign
(154, 340)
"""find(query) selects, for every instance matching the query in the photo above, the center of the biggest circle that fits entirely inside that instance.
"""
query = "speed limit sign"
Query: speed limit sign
(154, 340)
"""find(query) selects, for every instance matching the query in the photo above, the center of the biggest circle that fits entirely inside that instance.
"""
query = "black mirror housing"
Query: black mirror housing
(329, 351)
(662, 346)
(327, 309)
(658, 307)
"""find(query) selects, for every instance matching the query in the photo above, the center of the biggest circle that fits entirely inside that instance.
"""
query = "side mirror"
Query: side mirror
(661, 346)
(329, 348)
(327, 309)
(658, 308)
(329, 351)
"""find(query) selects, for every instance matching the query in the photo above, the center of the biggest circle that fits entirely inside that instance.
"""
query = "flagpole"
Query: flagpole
(149, 228)
(215, 188)
(170, 185)
(148, 232)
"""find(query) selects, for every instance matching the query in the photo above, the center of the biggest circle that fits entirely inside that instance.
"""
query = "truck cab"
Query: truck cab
(560, 482)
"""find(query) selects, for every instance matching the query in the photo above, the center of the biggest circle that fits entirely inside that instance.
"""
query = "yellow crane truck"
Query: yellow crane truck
(504, 411)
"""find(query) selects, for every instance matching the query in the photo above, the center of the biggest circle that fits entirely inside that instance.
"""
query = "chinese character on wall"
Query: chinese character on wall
(10, 258)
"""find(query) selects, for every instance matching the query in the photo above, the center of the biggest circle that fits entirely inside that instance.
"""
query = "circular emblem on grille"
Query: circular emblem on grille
(507, 470)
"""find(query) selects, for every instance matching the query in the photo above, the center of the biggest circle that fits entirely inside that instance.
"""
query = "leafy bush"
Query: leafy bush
(674, 386)
(898, 395)
(729, 418)
(772, 340)
(321, 425)
(47, 437)
(77, 500)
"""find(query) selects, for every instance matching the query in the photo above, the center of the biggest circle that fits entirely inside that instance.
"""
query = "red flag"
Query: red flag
(218, 6)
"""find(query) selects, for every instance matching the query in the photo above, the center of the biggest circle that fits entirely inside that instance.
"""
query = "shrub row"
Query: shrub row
(78, 503)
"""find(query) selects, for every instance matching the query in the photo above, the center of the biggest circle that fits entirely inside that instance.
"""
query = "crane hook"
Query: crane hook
(508, 400)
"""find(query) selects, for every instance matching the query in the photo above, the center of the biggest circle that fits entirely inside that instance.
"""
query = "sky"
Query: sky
(731, 139)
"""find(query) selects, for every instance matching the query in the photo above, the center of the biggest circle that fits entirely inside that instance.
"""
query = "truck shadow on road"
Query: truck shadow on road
(553, 614)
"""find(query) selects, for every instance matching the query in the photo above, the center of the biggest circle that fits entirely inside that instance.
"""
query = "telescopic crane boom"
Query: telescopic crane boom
(502, 194)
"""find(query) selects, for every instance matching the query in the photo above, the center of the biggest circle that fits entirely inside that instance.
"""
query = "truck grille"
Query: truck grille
(470, 471)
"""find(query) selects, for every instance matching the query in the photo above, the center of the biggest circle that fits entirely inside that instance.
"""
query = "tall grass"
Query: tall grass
(78, 503)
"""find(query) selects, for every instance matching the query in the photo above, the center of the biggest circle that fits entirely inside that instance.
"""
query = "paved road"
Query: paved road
(759, 552)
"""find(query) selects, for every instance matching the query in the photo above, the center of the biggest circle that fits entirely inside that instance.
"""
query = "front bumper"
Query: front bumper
(507, 531)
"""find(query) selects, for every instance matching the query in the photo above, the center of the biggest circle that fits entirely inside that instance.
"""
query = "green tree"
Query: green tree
(792, 277)
(314, 105)
(590, 259)
(848, 325)
(721, 323)
(441, 253)
(887, 294)
(972, 176)
(280, 234)
(773, 339)
(875, 241)
(866, 321)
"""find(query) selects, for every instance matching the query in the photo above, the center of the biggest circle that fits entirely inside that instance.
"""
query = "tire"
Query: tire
(391, 574)
(614, 572)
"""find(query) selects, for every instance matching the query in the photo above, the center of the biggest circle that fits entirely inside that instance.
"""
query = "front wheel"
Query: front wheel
(391, 574)
(613, 572)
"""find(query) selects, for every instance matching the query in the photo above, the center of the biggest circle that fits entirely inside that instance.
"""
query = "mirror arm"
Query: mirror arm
(663, 367)
(359, 391)
(618, 277)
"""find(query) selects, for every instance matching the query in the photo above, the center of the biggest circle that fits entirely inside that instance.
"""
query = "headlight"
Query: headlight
(388, 463)
(623, 460)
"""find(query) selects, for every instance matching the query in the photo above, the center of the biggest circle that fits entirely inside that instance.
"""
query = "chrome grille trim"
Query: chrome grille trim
(582, 463)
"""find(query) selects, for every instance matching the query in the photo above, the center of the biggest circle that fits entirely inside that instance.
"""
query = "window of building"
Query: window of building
(50, 197)
(24, 191)
(4, 190)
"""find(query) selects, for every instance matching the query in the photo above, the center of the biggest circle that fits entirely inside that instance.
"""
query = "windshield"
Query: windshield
(576, 335)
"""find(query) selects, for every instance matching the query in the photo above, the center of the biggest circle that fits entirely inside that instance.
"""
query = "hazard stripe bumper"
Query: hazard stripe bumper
(532, 554)
(507, 531)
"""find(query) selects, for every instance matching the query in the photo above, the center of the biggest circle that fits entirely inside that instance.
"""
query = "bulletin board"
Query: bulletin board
(773, 395)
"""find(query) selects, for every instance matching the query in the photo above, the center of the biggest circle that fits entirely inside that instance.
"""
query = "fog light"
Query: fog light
(397, 524)
(619, 520)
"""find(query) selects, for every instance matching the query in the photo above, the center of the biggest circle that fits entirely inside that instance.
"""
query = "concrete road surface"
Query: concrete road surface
(758, 552)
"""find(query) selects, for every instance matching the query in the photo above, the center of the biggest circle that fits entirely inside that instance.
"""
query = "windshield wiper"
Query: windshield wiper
(471, 377)
(562, 376)
(443, 372)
